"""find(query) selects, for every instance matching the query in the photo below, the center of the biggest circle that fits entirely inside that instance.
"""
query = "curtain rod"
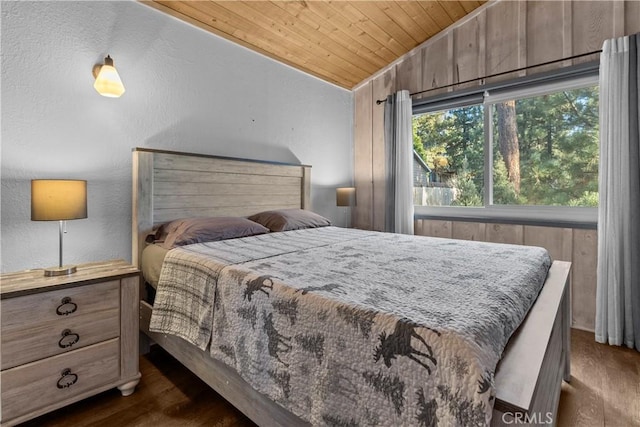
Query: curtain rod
(380, 101)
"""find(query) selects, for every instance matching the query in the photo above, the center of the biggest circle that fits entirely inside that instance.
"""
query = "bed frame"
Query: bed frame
(169, 185)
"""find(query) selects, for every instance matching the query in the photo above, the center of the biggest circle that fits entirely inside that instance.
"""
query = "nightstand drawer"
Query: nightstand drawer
(32, 310)
(36, 385)
(37, 341)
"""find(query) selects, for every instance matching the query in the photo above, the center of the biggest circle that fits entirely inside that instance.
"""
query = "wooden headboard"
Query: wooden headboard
(168, 185)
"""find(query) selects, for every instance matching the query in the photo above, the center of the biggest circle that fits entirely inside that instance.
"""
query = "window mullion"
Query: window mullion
(488, 156)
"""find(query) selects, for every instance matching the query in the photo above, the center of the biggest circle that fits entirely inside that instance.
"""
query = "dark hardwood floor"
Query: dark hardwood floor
(168, 395)
(604, 391)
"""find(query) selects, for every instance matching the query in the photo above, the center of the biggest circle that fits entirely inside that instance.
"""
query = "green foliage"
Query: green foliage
(418, 147)
(588, 198)
(425, 129)
(503, 190)
(468, 194)
(558, 139)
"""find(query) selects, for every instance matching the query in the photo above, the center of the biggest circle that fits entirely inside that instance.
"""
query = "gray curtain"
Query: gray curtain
(398, 140)
(618, 289)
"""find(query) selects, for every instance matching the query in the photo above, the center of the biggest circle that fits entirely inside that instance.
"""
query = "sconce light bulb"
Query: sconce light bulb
(108, 82)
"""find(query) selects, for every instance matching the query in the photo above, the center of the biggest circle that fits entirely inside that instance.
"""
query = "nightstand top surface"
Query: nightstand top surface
(34, 281)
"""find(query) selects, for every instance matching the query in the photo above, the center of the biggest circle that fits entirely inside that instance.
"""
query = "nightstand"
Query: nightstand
(66, 338)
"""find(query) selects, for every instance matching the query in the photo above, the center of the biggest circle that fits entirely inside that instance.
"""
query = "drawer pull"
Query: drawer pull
(67, 379)
(66, 307)
(68, 339)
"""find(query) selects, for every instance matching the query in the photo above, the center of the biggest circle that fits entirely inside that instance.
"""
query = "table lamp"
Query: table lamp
(346, 197)
(58, 200)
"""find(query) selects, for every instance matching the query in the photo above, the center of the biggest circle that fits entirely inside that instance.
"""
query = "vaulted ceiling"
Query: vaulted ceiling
(342, 42)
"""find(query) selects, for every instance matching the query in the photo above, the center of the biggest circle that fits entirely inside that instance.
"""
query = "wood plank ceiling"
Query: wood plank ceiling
(342, 42)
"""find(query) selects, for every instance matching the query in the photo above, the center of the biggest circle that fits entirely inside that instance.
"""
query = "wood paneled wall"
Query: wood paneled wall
(579, 246)
(497, 37)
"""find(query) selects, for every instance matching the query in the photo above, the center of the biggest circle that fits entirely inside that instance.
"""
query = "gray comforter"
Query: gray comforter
(355, 328)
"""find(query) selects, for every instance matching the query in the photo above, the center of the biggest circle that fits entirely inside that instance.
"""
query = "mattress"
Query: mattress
(151, 263)
(351, 327)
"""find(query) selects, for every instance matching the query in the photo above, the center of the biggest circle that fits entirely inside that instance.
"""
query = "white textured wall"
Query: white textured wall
(187, 90)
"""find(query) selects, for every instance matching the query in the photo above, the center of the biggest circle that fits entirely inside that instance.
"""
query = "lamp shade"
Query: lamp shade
(346, 196)
(108, 82)
(58, 199)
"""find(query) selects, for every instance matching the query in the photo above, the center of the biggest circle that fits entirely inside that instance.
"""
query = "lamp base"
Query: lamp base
(65, 270)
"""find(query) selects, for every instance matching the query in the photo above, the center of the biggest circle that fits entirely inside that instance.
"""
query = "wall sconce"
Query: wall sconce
(108, 81)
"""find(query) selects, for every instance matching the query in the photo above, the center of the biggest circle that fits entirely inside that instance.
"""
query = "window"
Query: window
(451, 143)
(518, 151)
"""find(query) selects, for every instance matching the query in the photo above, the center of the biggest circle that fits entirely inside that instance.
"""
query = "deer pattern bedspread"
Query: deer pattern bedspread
(355, 328)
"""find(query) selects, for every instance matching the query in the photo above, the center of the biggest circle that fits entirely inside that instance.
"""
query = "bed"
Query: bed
(170, 185)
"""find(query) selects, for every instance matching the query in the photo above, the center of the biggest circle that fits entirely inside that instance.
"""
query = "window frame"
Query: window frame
(583, 75)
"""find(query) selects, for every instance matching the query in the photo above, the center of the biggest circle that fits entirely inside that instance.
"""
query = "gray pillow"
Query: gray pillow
(187, 231)
(289, 219)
